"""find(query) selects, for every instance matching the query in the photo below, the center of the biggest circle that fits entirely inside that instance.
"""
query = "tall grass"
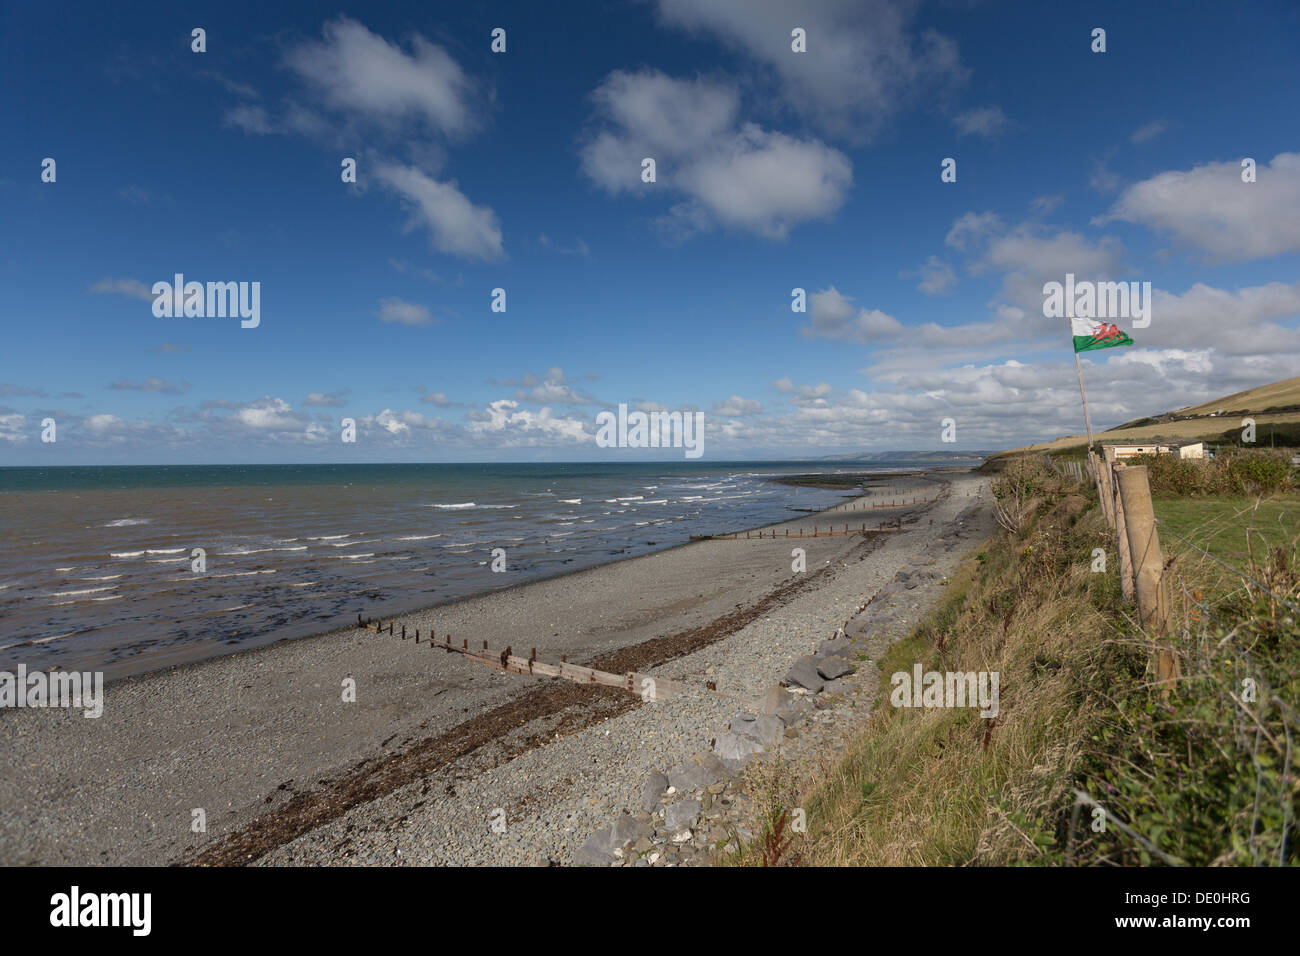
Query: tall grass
(1205, 776)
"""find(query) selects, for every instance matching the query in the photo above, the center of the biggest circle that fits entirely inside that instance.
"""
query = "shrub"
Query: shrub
(1254, 472)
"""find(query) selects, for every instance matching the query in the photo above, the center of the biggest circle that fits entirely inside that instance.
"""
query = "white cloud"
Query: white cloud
(249, 118)
(455, 224)
(268, 413)
(133, 288)
(986, 121)
(1209, 208)
(1148, 131)
(326, 399)
(972, 229)
(361, 73)
(937, 277)
(521, 427)
(737, 407)
(404, 313)
(870, 41)
(743, 177)
(13, 427)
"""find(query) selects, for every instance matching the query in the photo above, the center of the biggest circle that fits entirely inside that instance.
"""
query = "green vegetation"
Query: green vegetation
(1206, 774)
(1231, 473)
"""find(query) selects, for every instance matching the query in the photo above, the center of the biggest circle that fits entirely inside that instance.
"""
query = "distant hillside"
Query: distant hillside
(1275, 409)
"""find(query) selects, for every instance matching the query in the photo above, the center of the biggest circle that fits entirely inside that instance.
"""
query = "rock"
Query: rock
(599, 850)
(833, 667)
(735, 751)
(697, 773)
(681, 814)
(773, 700)
(795, 710)
(804, 674)
(836, 687)
(766, 730)
(653, 791)
(840, 647)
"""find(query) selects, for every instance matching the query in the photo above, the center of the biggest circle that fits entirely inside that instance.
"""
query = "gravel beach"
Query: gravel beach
(436, 747)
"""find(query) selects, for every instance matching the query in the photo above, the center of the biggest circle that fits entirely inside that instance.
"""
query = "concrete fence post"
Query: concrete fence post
(1149, 562)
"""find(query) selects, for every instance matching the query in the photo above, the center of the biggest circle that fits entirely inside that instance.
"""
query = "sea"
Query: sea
(98, 564)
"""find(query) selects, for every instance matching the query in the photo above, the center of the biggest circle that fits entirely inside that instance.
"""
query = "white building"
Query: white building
(1190, 449)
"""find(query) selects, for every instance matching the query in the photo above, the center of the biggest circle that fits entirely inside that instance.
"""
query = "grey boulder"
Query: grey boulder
(600, 846)
(804, 674)
(697, 773)
(833, 667)
(767, 731)
(652, 791)
(681, 814)
(735, 751)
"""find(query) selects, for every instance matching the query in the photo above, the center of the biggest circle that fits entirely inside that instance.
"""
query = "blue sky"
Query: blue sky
(521, 170)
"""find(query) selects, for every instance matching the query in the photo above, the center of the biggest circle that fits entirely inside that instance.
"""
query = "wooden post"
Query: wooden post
(1148, 559)
(1105, 494)
(1127, 573)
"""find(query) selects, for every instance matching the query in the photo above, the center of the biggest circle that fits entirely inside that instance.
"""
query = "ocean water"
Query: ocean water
(95, 562)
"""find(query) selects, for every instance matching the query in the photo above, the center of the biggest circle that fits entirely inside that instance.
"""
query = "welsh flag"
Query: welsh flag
(1090, 334)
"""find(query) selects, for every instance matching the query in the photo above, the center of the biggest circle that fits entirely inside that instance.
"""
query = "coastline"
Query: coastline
(179, 738)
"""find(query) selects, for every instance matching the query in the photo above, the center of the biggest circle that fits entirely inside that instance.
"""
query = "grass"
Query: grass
(1203, 775)
(1224, 526)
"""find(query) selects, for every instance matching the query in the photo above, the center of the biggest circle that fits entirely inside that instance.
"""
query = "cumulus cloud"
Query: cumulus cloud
(404, 313)
(724, 173)
(268, 413)
(515, 426)
(873, 41)
(553, 387)
(360, 73)
(1209, 209)
(737, 407)
(360, 87)
(937, 277)
(833, 315)
(455, 224)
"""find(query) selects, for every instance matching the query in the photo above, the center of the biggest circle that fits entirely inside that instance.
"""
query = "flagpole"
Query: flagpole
(1087, 419)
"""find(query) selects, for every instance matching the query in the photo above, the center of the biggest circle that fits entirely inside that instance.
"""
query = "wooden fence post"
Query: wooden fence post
(1149, 561)
(1127, 572)
(1101, 474)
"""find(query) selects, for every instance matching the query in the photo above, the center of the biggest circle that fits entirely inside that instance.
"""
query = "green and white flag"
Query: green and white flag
(1090, 334)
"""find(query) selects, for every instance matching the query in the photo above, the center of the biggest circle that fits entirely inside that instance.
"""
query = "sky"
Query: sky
(522, 170)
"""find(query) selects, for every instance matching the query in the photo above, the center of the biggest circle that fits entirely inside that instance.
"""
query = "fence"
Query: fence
(1125, 494)
(633, 682)
(817, 532)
